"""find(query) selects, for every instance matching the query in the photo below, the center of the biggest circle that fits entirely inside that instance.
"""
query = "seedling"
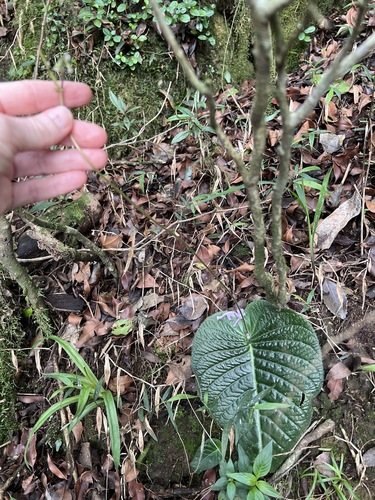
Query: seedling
(304, 36)
(299, 184)
(330, 480)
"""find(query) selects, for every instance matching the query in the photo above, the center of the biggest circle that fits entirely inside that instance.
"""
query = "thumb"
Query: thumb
(39, 131)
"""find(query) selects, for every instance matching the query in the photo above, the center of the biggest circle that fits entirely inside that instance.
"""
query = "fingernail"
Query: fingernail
(60, 115)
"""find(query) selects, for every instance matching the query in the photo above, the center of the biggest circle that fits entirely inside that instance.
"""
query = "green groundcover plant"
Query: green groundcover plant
(86, 392)
(124, 25)
(257, 370)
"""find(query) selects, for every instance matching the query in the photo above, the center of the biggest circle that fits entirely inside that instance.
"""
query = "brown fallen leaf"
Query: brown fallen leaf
(130, 473)
(54, 469)
(321, 462)
(31, 453)
(147, 281)
(28, 484)
(338, 372)
(111, 241)
(136, 490)
(335, 387)
(120, 385)
(364, 100)
(351, 16)
(334, 298)
(179, 372)
(330, 227)
(335, 377)
(209, 478)
(193, 308)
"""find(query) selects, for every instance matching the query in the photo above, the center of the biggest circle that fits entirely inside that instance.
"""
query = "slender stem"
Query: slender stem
(250, 175)
(20, 275)
(284, 151)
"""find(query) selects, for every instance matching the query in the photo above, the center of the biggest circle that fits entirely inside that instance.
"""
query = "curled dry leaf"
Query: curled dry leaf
(209, 478)
(31, 452)
(321, 462)
(130, 472)
(111, 241)
(335, 389)
(120, 385)
(195, 305)
(335, 378)
(334, 298)
(338, 372)
(331, 142)
(54, 469)
(329, 228)
(28, 484)
(147, 281)
(351, 16)
(136, 490)
(179, 372)
(151, 300)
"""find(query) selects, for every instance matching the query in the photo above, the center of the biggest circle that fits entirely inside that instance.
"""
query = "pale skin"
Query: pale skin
(31, 121)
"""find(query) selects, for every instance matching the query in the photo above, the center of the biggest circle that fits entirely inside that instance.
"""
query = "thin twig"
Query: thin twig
(41, 39)
(250, 175)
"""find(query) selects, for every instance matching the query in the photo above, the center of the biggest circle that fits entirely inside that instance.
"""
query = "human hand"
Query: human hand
(25, 142)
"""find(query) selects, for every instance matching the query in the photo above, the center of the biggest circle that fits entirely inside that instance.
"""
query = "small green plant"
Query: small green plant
(260, 368)
(124, 25)
(307, 302)
(90, 395)
(186, 115)
(128, 124)
(304, 36)
(329, 480)
(304, 180)
(238, 479)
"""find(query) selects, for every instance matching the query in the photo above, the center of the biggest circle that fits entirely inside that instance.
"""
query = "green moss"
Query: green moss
(167, 460)
(11, 334)
(232, 49)
(142, 88)
(296, 13)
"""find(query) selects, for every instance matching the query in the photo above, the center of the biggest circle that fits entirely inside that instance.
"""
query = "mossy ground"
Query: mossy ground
(11, 334)
(167, 459)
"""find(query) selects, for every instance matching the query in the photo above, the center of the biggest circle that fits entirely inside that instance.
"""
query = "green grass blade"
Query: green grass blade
(205, 198)
(83, 397)
(80, 416)
(321, 200)
(46, 416)
(77, 359)
(114, 430)
(68, 379)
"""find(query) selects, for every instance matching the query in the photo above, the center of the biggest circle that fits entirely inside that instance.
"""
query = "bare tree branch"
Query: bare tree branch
(265, 9)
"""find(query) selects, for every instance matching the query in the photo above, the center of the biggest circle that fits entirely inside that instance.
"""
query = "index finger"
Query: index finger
(33, 96)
